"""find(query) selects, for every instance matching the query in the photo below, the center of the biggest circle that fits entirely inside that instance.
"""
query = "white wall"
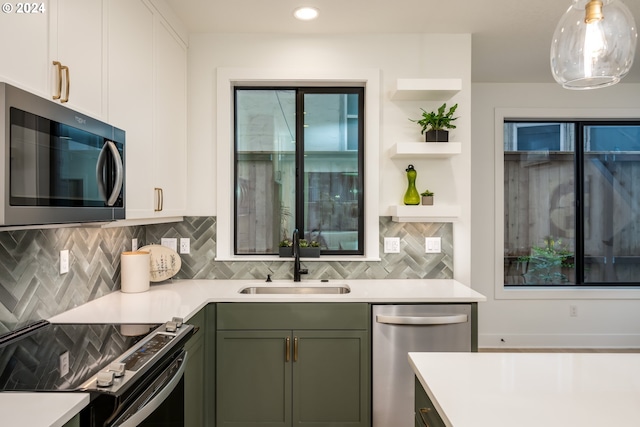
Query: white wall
(395, 55)
(530, 319)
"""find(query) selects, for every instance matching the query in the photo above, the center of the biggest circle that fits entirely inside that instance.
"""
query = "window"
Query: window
(571, 195)
(299, 163)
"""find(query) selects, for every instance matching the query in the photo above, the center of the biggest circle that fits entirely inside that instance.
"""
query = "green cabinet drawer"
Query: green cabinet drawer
(270, 316)
(426, 413)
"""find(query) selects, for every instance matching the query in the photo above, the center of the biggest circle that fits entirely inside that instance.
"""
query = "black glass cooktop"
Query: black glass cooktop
(61, 357)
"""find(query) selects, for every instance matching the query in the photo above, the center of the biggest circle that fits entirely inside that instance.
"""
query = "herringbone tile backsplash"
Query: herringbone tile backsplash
(31, 287)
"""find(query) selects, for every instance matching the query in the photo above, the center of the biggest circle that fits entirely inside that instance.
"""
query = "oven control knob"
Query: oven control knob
(117, 368)
(179, 321)
(105, 379)
(170, 326)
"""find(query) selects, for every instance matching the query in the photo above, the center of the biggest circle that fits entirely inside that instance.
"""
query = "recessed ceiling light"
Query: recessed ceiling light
(306, 13)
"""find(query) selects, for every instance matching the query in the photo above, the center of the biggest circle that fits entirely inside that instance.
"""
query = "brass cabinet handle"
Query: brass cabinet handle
(295, 349)
(159, 199)
(287, 349)
(66, 75)
(58, 65)
(423, 412)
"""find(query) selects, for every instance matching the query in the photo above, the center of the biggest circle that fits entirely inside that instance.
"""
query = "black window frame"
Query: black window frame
(299, 156)
(579, 201)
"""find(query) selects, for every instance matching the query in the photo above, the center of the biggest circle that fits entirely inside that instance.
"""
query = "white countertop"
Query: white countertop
(532, 389)
(184, 298)
(40, 409)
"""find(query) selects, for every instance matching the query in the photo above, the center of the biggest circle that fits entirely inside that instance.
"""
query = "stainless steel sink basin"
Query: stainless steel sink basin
(296, 290)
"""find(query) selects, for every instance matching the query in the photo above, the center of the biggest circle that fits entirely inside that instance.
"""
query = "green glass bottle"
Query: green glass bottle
(411, 197)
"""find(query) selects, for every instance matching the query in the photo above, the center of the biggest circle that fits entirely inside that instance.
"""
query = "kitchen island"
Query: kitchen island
(531, 389)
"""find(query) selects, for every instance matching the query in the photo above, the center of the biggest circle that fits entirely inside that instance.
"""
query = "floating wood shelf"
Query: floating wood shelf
(426, 89)
(435, 150)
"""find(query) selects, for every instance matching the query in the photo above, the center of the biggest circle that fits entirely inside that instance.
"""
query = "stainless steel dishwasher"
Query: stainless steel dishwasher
(399, 329)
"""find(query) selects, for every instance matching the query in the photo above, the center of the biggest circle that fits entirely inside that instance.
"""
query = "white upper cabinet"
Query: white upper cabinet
(130, 96)
(25, 50)
(78, 43)
(69, 32)
(147, 98)
(170, 123)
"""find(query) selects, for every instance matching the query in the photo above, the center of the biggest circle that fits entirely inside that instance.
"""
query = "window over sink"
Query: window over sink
(299, 163)
(337, 179)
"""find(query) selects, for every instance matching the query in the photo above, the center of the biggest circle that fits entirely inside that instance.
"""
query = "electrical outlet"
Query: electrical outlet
(134, 244)
(171, 243)
(64, 261)
(185, 245)
(391, 245)
(573, 311)
(432, 245)
(64, 364)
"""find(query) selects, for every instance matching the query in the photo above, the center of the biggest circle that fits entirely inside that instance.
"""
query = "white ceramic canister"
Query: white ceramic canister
(135, 271)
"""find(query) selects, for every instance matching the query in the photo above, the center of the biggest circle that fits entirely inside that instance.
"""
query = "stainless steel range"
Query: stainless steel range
(132, 372)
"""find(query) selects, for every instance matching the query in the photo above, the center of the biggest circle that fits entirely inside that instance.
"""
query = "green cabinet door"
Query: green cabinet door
(331, 378)
(194, 374)
(253, 384)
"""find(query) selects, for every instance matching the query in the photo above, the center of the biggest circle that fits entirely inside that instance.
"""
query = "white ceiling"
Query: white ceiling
(510, 38)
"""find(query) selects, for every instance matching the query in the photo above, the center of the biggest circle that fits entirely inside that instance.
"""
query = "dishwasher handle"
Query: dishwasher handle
(423, 320)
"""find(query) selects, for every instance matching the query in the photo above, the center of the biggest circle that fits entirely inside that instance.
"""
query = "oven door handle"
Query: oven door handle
(158, 399)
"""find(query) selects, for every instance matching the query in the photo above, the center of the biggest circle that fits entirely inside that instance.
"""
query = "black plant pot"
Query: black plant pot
(285, 252)
(308, 252)
(437, 135)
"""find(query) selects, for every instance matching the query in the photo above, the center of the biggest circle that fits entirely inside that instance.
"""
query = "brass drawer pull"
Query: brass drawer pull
(295, 349)
(68, 83)
(287, 349)
(423, 412)
(58, 94)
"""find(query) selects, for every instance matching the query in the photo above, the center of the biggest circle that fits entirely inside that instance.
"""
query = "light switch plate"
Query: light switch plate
(64, 261)
(432, 245)
(64, 364)
(391, 245)
(185, 245)
(170, 242)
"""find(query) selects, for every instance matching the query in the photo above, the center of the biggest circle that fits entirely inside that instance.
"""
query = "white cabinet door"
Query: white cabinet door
(77, 42)
(147, 99)
(25, 49)
(170, 121)
(130, 94)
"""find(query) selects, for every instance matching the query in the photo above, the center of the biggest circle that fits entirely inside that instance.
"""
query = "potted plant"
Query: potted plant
(427, 197)
(434, 123)
(309, 249)
(286, 248)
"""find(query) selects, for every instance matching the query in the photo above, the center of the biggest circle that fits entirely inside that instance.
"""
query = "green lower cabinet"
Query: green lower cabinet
(198, 373)
(253, 384)
(292, 377)
(329, 381)
(426, 413)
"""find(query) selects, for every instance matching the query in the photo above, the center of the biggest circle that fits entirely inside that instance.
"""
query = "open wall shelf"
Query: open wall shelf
(434, 150)
(426, 89)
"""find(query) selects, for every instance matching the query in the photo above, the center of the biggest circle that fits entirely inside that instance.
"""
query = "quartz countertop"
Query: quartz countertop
(40, 409)
(532, 389)
(184, 298)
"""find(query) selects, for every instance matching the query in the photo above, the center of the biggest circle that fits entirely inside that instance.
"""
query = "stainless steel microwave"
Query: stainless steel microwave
(59, 166)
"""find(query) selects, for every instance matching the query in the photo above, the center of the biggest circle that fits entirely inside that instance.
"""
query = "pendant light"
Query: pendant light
(593, 45)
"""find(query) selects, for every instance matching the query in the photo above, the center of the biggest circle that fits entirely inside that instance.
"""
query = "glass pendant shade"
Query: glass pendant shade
(595, 54)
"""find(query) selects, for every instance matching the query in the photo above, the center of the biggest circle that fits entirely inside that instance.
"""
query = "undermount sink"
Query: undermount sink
(296, 290)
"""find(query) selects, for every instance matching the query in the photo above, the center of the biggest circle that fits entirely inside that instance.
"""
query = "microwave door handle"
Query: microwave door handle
(102, 159)
(117, 186)
(158, 399)
(422, 320)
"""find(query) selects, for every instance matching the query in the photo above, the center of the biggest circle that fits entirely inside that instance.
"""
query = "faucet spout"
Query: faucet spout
(297, 271)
